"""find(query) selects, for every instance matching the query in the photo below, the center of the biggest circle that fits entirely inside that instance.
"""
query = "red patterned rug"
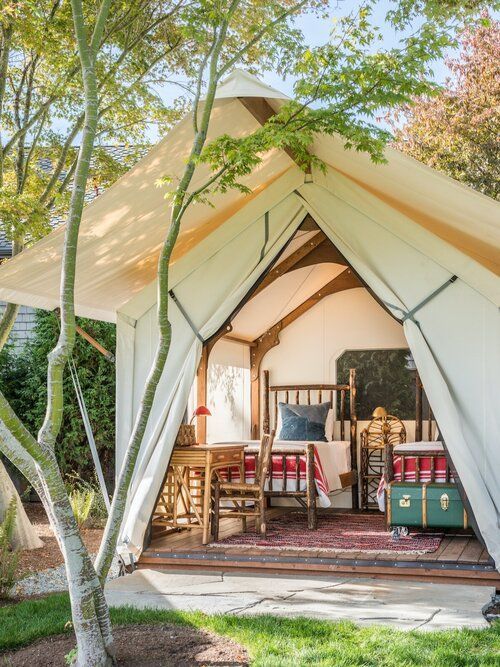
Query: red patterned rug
(335, 532)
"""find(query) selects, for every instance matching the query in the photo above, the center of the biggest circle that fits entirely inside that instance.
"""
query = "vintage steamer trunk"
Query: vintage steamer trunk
(425, 505)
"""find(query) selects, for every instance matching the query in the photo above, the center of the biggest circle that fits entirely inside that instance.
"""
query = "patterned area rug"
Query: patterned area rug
(335, 532)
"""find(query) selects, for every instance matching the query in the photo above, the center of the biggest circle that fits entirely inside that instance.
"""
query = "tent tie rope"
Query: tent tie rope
(88, 430)
(410, 314)
(179, 305)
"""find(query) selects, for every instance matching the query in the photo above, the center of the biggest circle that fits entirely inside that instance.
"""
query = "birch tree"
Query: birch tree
(141, 47)
(340, 88)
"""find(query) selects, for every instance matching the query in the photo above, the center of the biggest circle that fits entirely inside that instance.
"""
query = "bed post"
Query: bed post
(312, 520)
(354, 435)
(418, 408)
(266, 420)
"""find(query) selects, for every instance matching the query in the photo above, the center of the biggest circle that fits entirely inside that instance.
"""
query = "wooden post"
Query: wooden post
(266, 421)
(201, 395)
(418, 408)
(354, 435)
(310, 489)
(255, 407)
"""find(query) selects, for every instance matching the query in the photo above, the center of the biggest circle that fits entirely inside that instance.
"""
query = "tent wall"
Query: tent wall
(455, 344)
(228, 392)
(209, 291)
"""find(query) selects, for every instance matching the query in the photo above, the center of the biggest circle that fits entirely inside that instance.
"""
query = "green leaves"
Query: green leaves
(23, 379)
(341, 88)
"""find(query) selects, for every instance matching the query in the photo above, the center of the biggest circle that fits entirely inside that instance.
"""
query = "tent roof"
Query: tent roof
(122, 230)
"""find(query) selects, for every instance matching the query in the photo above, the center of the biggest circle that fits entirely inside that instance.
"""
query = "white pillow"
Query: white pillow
(329, 424)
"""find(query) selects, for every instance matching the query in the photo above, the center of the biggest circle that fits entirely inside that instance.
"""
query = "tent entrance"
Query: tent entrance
(308, 277)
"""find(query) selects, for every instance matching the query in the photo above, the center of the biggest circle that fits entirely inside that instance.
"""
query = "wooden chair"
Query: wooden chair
(239, 493)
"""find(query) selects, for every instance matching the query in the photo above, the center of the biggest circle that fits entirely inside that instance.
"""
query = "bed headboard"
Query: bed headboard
(307, 394)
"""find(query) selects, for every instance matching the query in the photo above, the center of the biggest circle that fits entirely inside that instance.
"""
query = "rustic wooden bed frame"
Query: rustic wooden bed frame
(314, 393)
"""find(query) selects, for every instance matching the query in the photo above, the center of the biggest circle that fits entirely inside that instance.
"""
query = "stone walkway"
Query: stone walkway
(400, 604)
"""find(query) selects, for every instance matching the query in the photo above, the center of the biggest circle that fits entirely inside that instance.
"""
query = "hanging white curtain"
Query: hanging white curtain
(208, 292)
(456, 341)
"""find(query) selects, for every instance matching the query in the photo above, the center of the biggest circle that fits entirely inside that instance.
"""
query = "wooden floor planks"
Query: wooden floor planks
(184, 549)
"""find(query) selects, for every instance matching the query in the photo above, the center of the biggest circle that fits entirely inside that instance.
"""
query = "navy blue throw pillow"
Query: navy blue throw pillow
(303, 422)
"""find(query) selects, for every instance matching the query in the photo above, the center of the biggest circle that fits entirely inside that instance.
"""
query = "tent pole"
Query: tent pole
(109, 355)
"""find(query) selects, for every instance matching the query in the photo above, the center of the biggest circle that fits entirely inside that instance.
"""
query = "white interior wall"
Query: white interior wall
(307, 354)
(228, 392)
(310, 347)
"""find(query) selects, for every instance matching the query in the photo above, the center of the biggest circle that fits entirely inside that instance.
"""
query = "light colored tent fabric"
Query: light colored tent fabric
(24, 535)
(122, 230)
(405, 229)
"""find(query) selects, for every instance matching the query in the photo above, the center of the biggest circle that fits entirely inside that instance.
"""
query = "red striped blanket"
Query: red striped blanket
(284, 474)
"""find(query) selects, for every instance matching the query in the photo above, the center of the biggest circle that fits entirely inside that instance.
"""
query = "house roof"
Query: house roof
(122, 154)
(123, 229)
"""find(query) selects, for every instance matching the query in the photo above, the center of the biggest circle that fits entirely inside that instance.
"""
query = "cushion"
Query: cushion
(303, 422)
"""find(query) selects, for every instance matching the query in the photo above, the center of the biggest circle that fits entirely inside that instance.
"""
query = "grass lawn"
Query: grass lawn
(274, 642)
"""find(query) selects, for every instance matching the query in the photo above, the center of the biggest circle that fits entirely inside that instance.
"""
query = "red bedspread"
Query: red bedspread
(425, 474)
(284, 473)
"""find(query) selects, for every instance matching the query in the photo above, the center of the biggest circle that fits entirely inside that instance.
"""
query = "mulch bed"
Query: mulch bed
(337, 532)
(141, 646)
(49, 555)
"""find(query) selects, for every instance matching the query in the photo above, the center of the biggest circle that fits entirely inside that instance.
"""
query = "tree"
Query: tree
(457, 131)
(348, 76)
(41, 110)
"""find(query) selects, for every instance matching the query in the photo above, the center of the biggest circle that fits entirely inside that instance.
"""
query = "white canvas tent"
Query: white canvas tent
(404, 228)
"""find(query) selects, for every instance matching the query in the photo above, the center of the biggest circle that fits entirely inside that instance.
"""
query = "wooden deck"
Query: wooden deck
(459, 559)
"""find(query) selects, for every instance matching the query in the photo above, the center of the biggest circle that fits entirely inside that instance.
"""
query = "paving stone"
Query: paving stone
(405, 605)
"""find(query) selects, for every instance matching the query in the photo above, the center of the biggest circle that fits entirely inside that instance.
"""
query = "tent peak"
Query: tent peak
(241, 83)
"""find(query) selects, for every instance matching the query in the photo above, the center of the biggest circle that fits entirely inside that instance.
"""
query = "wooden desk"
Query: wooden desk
(185, 501)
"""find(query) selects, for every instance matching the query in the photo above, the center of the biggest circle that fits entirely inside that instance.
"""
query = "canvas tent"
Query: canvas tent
(405, 229)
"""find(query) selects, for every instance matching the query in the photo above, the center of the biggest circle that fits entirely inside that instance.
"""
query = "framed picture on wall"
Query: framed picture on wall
(383, 378)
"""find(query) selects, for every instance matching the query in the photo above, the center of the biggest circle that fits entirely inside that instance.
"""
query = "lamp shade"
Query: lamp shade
(202, 410)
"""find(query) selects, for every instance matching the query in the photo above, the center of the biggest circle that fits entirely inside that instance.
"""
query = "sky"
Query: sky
(316, 32)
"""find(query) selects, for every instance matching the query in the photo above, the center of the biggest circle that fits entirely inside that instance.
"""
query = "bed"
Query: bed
(308, 471)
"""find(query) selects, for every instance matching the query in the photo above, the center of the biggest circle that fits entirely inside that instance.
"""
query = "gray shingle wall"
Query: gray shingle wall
(23, 326)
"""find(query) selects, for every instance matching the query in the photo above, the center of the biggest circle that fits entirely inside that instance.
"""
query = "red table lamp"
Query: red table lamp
(201, 411)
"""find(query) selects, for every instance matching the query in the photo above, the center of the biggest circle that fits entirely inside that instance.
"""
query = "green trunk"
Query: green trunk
(425, 505)
(406, 504)
(444, 507)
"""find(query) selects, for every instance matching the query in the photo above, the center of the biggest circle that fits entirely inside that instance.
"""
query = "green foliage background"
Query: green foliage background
(23, 377)
(382, 379)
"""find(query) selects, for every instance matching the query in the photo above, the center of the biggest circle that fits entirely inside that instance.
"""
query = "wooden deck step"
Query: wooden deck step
(251, 560)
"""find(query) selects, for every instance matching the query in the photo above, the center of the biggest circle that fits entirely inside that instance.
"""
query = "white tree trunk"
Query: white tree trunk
(24, 536)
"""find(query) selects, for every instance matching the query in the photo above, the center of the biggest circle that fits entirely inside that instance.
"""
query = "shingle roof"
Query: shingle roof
(123, 154)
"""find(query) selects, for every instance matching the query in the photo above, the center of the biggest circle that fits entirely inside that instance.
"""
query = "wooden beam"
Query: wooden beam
(262, 111)
(242, 341)
(289, 263)
(270, 338)
(324, 253)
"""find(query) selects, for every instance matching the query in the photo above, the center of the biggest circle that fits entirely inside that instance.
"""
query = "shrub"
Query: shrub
(23, 378)
(98, 512)
(81, 503)
(8, 557)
